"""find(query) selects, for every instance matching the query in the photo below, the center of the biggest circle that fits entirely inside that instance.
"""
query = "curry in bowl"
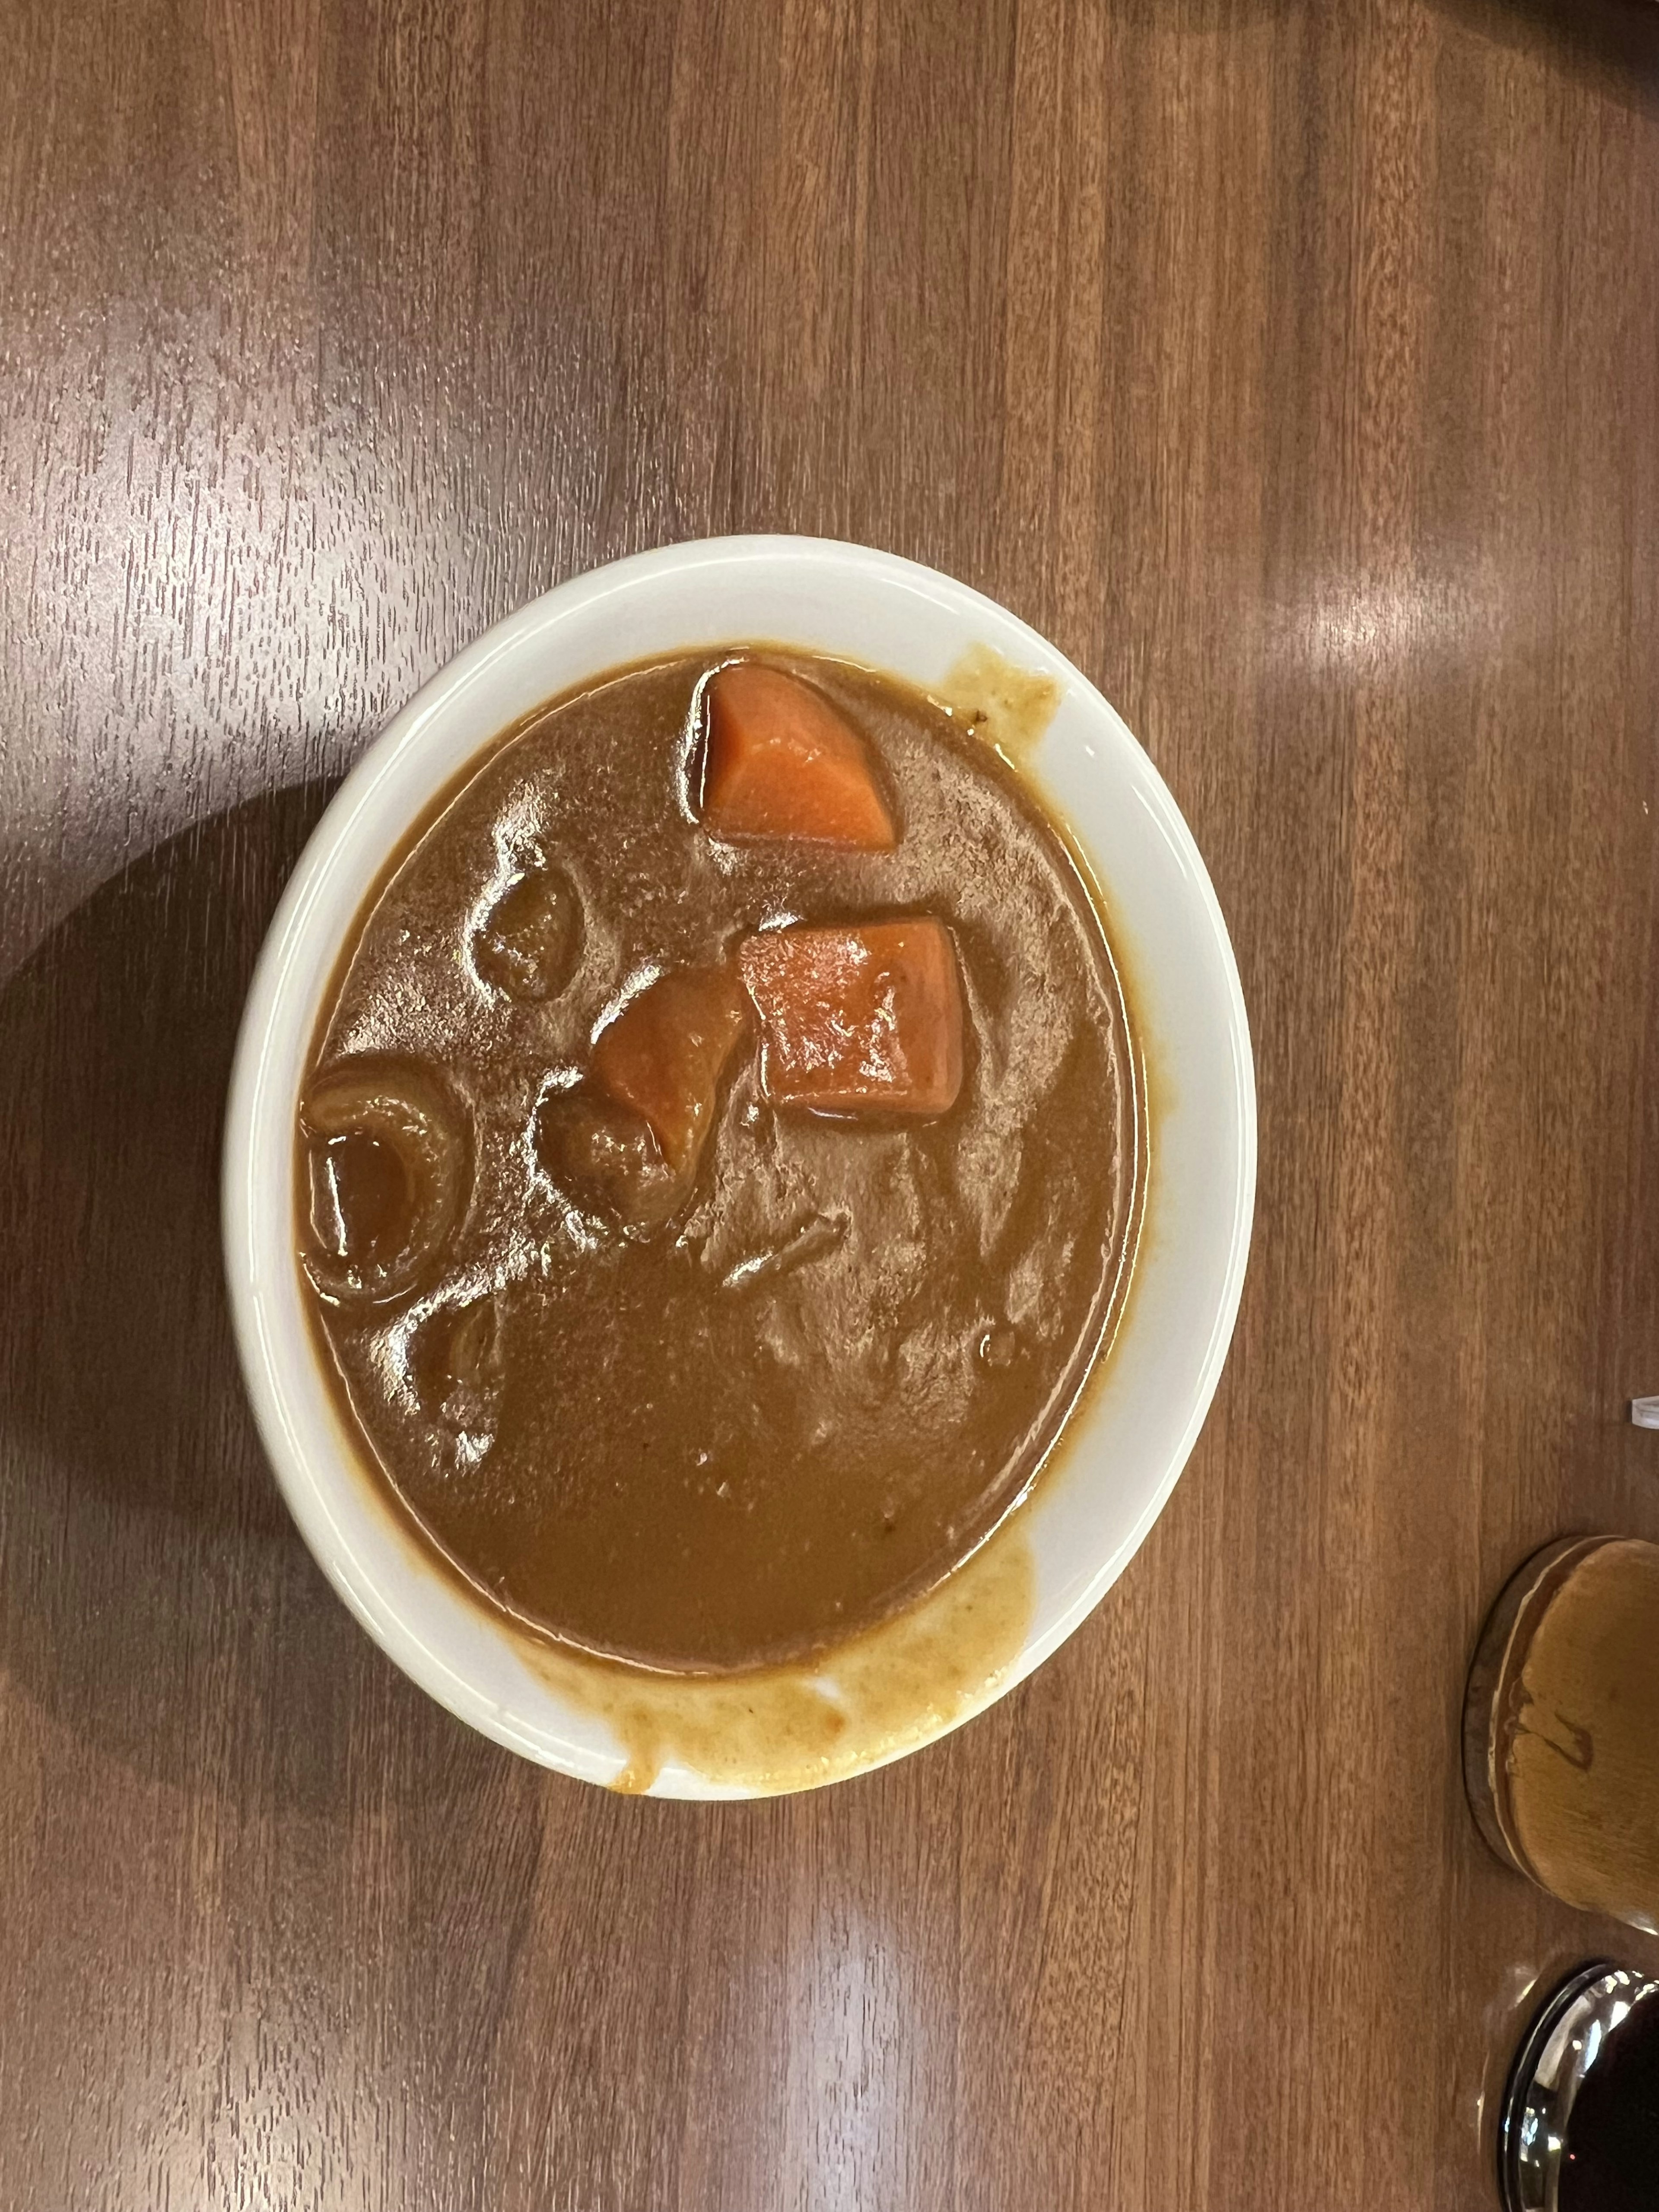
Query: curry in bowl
(718, 1159)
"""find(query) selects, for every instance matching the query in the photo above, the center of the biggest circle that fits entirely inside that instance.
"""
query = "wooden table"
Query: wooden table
(1296, 367)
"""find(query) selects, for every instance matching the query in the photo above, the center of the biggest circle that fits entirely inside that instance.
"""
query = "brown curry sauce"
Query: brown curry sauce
(790, 1402)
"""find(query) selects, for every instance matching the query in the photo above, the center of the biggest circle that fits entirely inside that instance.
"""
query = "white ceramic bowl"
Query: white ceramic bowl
(1128, 1441)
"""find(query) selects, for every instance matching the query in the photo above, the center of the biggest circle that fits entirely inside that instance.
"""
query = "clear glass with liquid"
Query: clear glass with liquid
(1561, 1726)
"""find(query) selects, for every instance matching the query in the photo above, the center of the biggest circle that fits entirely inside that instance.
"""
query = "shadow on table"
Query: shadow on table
(1611, 44)
(154, 1595)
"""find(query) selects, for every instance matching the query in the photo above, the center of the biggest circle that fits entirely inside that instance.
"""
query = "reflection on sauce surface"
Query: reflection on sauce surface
(726, 1405)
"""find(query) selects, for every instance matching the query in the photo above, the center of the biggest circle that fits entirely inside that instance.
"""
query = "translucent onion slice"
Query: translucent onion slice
(390, 1162)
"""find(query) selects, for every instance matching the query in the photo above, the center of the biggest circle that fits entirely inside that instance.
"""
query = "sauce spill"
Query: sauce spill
(1011, 707)
(781, 1729)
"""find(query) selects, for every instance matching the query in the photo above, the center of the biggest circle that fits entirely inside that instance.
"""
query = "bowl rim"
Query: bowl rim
(276, 977)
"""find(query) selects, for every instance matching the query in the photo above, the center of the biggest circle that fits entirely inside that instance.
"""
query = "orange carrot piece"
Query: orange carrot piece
(664, 1054)
(866, 1019)
(782, 763)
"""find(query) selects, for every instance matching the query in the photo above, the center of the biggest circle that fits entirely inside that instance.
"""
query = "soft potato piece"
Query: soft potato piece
(782, 763)
(603, 1155)
(862, 1019)
(528, 944)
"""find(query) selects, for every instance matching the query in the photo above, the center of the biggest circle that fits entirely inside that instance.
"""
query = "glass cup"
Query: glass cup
(1578, 2129)
(1561, 1726)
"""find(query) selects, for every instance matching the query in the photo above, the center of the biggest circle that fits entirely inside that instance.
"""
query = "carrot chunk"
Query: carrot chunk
(664, 1055)
(782, 763)
(866, 1019)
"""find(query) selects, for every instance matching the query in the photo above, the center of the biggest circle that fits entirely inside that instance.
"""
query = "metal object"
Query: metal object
(1560, 2047)
(1644, 1412)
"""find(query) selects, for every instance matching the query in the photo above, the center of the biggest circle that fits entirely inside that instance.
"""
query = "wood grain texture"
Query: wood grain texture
(1293, 363)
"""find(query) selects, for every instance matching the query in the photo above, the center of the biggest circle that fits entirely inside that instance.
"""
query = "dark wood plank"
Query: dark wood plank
(1296, 367)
